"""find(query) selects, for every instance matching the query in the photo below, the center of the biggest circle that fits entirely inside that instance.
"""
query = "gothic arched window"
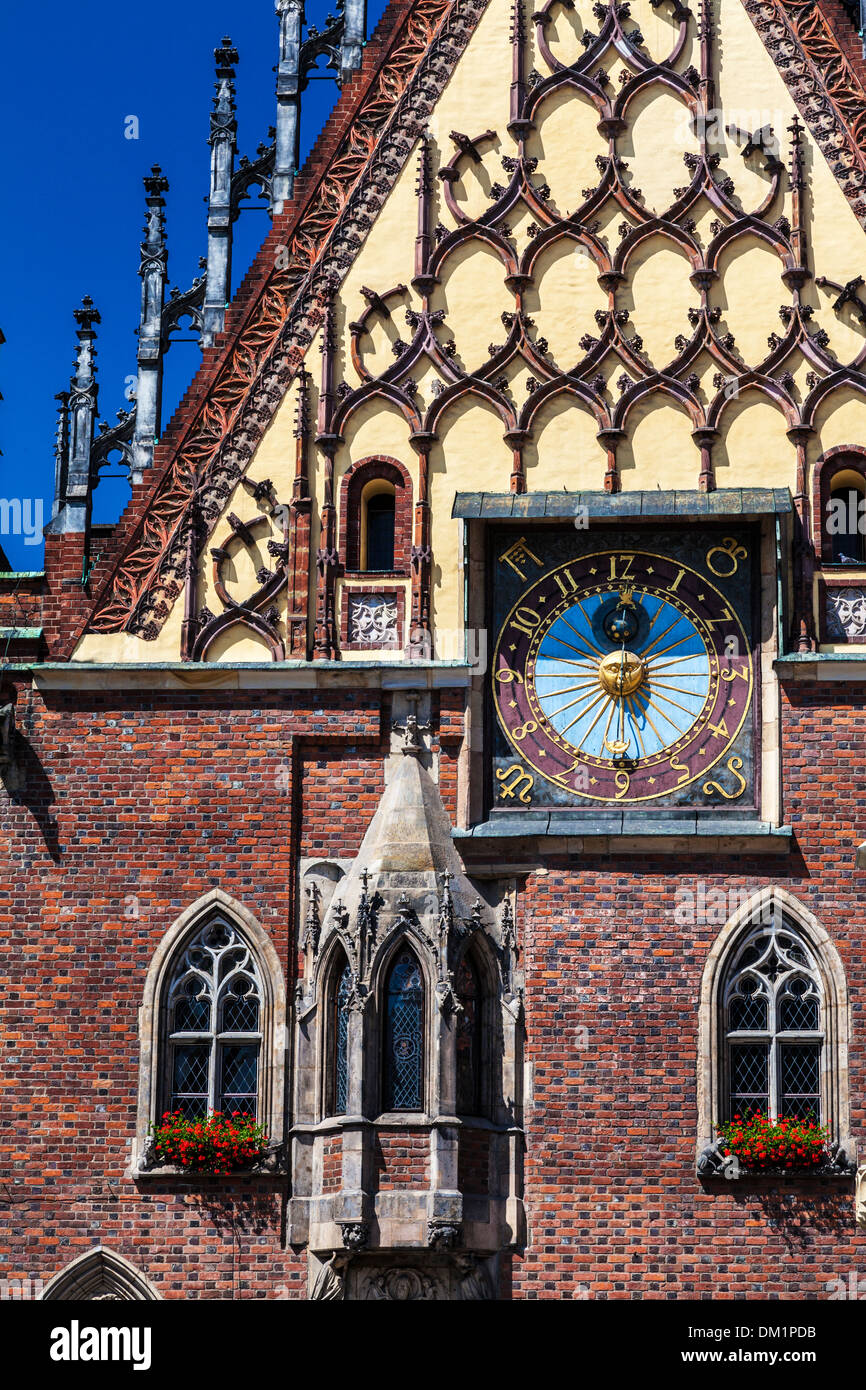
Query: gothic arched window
(403, 1069)
(340, 1035)
(468, 1039)
(213, 1025)
(773, 1025)
(378, 503)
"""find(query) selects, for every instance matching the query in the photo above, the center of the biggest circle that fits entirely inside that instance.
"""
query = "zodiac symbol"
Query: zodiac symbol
(732, 550)
(734, 764)
(528, 728)
(518, 776)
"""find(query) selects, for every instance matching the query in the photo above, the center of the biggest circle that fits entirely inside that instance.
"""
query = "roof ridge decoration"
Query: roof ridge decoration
(270, 348)
(263, 360)
(807, 52)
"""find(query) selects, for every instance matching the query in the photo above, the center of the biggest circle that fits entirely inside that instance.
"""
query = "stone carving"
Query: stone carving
(845, 614)
(860, 1196)
(373, 620)
(356, 1234)
(400, 1286)
(329, 1283)
(475, 1282)
(443, 1235)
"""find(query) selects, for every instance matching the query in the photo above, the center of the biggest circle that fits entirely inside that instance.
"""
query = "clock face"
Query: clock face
(625, 675)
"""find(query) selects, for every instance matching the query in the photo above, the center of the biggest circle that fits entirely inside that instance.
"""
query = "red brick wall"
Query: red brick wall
(615, 1207)
(159, 798)
(403, 1158)
(332, 1163)
(138, 805)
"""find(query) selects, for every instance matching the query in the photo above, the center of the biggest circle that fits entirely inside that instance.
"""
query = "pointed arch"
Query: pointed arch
(212, 908)
(96, 1275)
(776, 910)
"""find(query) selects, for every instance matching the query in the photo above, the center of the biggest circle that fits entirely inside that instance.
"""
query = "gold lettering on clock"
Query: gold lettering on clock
(673, 587)
(623, 781)
(526, 619)
(677, 766)
(521, 782)
(518, 554)
(734, 764)
(732, 552)
(566, 583)
(505, 676)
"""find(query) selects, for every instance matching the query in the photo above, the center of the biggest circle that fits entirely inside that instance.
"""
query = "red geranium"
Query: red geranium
(208, 1145)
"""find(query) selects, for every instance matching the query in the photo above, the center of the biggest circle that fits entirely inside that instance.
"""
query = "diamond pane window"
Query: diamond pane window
(800, 1080)
(773, 1009)
(468, 1040)
(404, 1035)
(189, 1090)
(214, 1019)
(749, 1078)
(341, 1040)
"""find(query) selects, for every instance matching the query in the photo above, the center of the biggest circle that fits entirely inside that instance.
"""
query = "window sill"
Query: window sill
(169, 1174)
(713, 1166)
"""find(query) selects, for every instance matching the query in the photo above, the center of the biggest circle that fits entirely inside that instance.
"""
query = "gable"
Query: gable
(523, 327)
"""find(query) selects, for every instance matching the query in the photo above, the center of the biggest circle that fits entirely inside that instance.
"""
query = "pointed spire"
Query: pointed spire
(61, 449)
(290, 14)
(72, 506)
(223, 143)
(795, 278)
(301, 486)
(153, 269)
(354, 36)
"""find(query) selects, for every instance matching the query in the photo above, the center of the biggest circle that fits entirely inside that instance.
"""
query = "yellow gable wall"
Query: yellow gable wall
(470, 454)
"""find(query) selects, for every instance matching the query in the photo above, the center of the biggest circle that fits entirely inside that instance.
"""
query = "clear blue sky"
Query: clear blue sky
(74, 207)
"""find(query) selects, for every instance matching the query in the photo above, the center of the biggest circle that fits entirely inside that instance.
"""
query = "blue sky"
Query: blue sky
(74, 206)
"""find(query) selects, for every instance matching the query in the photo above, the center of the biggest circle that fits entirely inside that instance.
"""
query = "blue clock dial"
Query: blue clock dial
(628, 699)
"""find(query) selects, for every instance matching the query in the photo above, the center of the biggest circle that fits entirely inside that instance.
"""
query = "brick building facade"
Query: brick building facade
(334, 787)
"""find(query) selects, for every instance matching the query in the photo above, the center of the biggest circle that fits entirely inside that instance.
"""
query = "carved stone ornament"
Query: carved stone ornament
(329, 1283)
(373, 620)
(443, 1235)
(356, 1234)
(860, 1196)
(399, 1286)
(846, 614)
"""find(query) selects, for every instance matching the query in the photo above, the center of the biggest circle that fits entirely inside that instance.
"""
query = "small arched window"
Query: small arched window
(340, 1034)
(846, 518)
(468, 1039)
(403, 1068)
(773, 1025)
(213, 1025)
(378, 516)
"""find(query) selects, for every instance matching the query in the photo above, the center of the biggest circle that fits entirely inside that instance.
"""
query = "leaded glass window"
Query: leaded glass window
(468, 1040)
(214, 1025)
(341, 1040)
(773, 1024)
(404, 1035)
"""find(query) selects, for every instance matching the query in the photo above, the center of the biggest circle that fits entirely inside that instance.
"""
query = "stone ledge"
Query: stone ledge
(269, 675)
(626, 833)
(821, 666)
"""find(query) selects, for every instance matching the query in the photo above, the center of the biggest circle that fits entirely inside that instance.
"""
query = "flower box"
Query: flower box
(215, 1144)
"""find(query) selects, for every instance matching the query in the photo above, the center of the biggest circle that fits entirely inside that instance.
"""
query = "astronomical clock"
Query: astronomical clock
(623, 670)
